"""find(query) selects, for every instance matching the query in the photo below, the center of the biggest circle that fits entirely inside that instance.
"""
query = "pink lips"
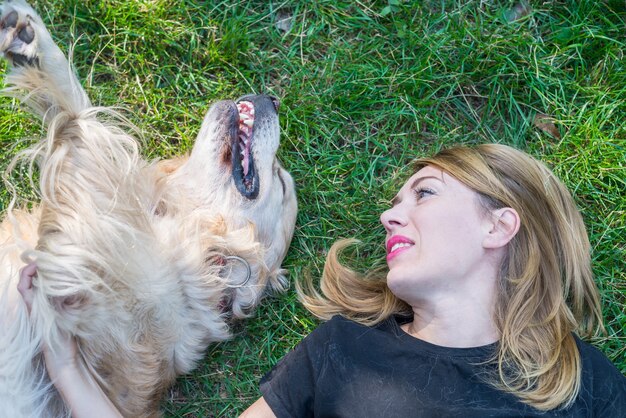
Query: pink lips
(397, 239)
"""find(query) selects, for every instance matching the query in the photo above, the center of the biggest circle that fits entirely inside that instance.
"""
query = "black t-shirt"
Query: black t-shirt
(344, 369)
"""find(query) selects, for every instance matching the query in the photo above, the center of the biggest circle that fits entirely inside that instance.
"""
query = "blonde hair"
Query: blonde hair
(546, 287)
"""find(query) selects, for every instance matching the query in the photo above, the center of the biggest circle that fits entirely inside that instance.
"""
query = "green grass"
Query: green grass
(366, 86)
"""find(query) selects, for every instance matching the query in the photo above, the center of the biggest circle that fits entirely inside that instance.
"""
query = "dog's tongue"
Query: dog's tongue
(244, 145)
(246, 162)
(246, 122)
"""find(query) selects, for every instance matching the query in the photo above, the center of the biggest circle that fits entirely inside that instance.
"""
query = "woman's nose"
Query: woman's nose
(392, 217)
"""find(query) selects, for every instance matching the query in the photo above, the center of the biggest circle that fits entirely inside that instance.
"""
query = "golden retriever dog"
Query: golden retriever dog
(145, 263)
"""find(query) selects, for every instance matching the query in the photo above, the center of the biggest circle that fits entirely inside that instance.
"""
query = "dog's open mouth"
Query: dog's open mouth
(244, 172)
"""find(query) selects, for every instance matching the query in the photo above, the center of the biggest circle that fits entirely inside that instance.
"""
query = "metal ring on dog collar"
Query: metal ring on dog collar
(248, 270)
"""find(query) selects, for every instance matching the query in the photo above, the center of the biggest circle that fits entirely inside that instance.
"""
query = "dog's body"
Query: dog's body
(143, 263)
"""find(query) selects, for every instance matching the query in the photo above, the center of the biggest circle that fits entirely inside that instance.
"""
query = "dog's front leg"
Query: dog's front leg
(39, 73)
(94, 244)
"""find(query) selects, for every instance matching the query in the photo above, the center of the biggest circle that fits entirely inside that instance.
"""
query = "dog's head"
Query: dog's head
(235, 172)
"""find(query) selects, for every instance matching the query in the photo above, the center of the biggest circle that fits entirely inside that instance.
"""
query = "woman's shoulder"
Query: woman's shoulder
(339, 328)
(601, 381)
(339, 323)
(593, 358)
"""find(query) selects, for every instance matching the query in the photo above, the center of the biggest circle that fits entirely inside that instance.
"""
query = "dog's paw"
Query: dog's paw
(18, 41)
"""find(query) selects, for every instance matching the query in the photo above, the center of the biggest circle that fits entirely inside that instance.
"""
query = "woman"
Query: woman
(489, 279)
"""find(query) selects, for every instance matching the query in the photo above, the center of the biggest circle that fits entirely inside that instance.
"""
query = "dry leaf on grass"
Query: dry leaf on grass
(546, 124)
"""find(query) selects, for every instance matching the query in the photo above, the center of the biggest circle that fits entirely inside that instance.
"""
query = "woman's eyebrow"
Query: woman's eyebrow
(420, 179)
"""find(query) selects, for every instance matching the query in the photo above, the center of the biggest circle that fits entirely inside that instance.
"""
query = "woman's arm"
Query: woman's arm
(79, 390)
(259, 409)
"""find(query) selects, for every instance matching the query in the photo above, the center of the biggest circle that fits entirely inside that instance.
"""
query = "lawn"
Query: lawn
(365, 87)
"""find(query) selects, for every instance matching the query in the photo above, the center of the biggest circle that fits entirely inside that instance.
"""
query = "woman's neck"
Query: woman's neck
(455, 322)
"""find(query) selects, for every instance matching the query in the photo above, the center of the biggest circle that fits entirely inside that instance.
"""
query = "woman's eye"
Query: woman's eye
(423, 192)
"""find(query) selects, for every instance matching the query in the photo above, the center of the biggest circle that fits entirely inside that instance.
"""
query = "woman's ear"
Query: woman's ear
(504, 224)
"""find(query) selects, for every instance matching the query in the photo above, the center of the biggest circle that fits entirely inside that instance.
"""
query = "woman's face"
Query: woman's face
(435, 233)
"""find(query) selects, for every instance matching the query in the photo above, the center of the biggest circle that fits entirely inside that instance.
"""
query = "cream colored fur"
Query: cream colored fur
(130, 254)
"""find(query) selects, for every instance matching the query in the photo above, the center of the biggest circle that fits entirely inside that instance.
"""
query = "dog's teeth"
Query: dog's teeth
(248, 122)
(245, 129)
